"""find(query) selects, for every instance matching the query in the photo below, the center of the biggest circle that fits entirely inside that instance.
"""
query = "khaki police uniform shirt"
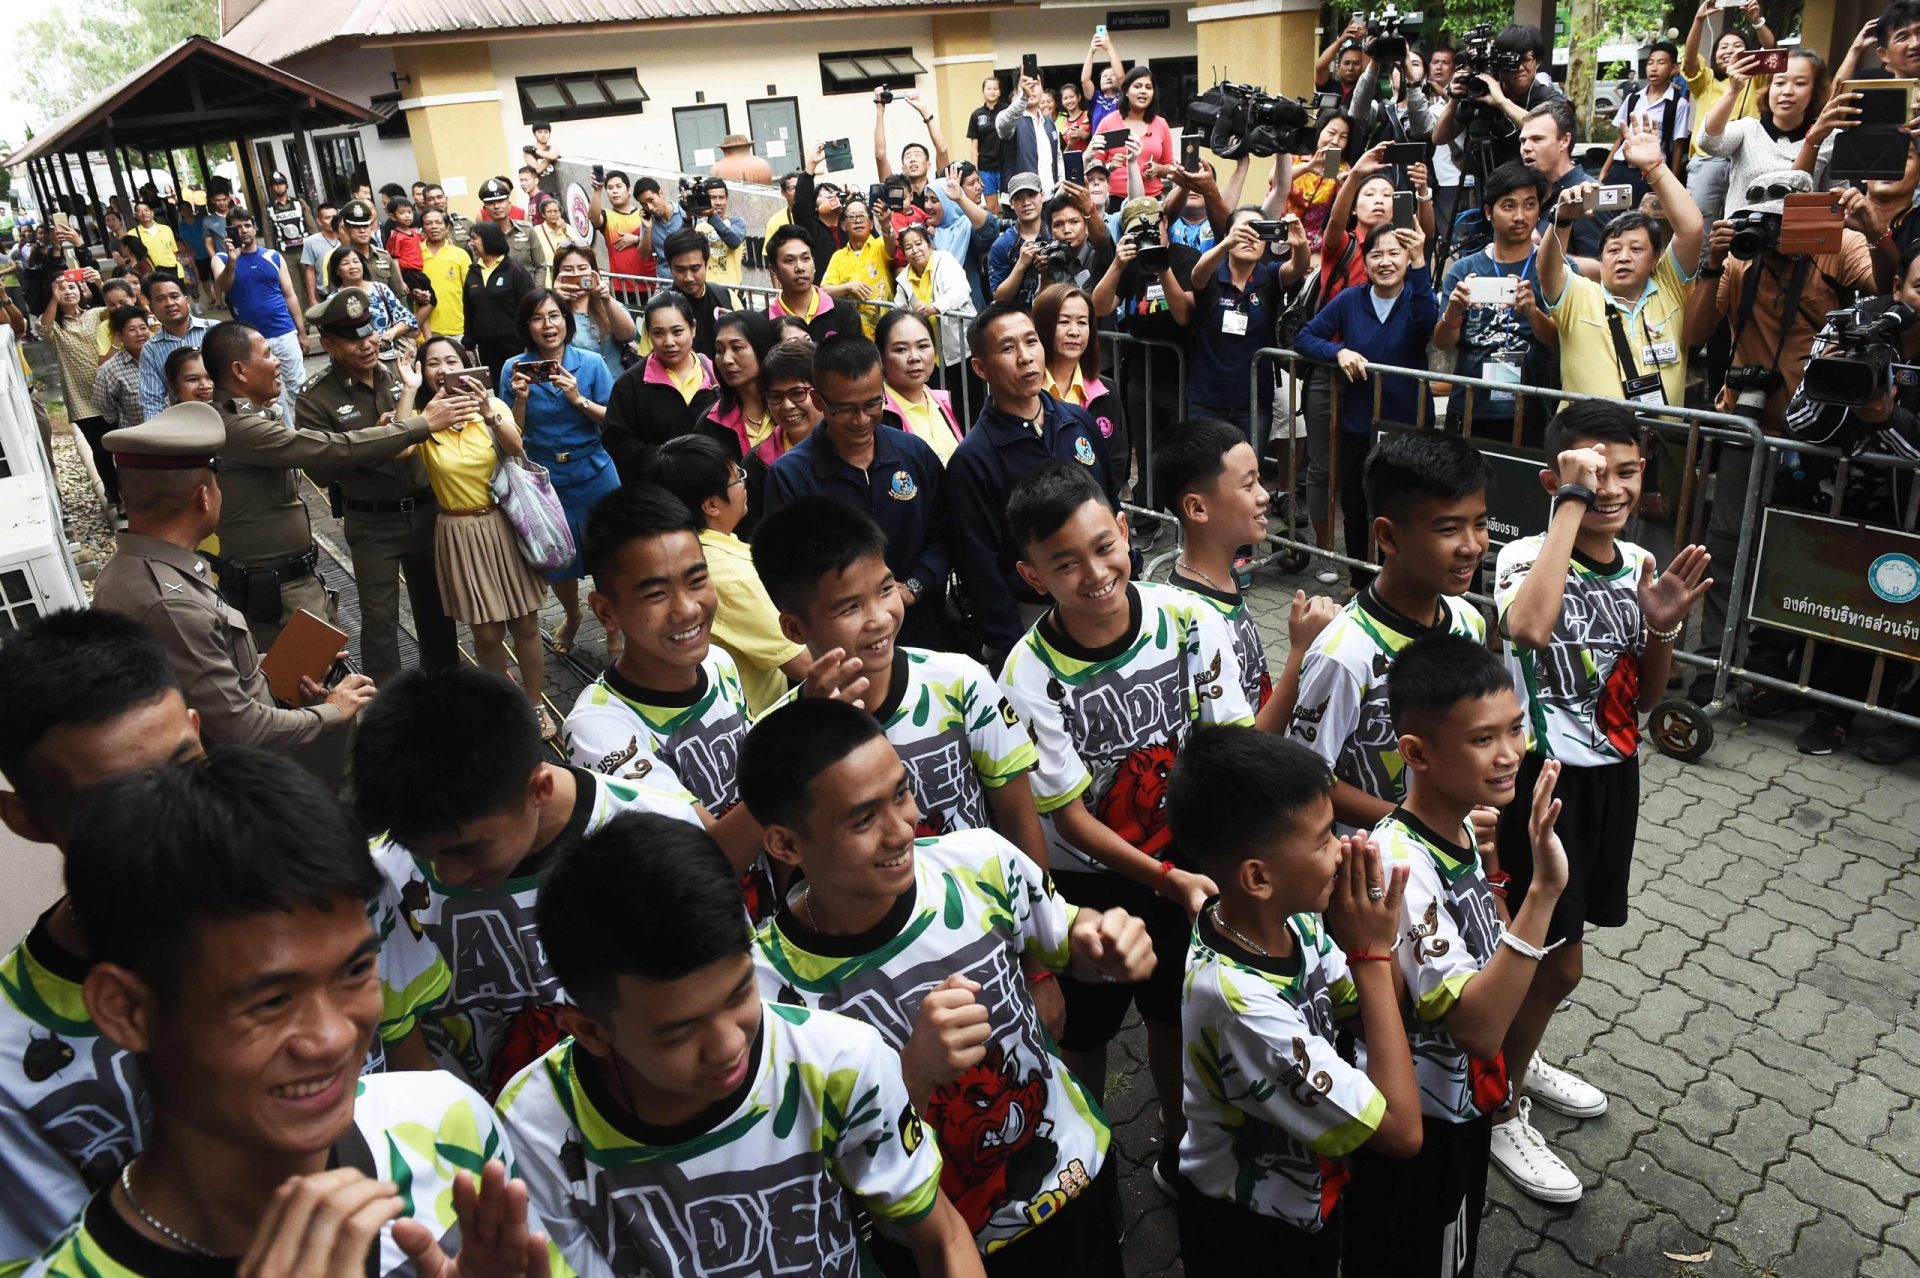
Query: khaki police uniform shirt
(336, 403)
(520, 246)
(459, 227)
(261, 515)
(169, 590)
(383, 269)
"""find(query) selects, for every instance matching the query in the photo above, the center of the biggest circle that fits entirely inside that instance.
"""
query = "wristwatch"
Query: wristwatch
(914, 587)
(1573, 492)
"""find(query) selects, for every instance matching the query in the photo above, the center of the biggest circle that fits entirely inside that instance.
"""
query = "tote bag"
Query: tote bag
(524, 492)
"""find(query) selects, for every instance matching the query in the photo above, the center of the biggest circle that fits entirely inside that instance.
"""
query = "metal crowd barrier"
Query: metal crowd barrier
(1143, 490)
(760, 297)
(1517, 508)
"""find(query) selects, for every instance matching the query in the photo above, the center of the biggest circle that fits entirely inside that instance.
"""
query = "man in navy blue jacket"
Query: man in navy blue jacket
(1019, 429)
(891, 475)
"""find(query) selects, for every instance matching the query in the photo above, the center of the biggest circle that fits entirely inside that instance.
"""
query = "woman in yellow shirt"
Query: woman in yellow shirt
(484, 580)
(1707, 82)
(907, 354)
(863, 268)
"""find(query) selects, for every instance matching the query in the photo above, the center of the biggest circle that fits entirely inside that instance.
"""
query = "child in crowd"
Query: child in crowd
(223, 902)
(405, 239)
(924, 939)
(1462, 736)
(1208, 475)
(1113, 678)
(699, 471)
(686, 1126)
(1299, 940)
(89, 695)
(1427, 492)
(449, 764)
(1591, 627)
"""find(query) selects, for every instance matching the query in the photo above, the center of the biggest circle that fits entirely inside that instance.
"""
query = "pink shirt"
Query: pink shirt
(1156, 147)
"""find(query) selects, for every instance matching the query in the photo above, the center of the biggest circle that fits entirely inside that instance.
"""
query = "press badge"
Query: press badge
(1660, 354)
(1506, 371)
(1646, 389)
(1233, 323)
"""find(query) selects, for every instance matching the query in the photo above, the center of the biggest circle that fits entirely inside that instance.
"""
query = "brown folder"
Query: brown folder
(305, 648)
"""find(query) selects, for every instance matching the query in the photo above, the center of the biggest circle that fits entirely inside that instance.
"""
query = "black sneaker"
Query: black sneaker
(1890, 745)
(1822, 736)
(1166, 1172)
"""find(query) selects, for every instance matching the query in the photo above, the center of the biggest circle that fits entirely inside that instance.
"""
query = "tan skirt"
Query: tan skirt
(482, 576)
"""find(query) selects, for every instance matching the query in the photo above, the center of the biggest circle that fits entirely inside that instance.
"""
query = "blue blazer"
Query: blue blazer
(1349, 322)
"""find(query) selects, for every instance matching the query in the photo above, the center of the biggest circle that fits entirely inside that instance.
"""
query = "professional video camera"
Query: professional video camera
(695, 198)
(1239, 120)
(1862, 346)
(1754, 232)
(1386, 42)
(1477, 56)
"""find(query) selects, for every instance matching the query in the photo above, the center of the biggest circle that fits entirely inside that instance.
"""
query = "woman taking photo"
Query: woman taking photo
(495, 286)
(1063, 316)
(908, 358)
(1786, 135)
(71, 323)
(1316, 177)
(1390, 321)
(550, 234)
(347, 269)
(558, 393)
(669, 395)
(1137, 116)
(934, 287)
(741, 340)
(484, 579)
(1239, 277)
(600, 324)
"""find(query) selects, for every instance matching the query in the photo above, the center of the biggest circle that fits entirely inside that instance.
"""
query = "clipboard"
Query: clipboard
(305, 648)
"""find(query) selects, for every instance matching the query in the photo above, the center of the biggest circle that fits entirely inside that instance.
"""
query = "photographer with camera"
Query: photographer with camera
(1406, 113)
(1775, 302)
(1338, 68)
(726, 235)
(1855, 395)
(1240, 281)
(1147, 292)
(1012, 262)
(1622, 337)
(1511, 341)
(1494, 86)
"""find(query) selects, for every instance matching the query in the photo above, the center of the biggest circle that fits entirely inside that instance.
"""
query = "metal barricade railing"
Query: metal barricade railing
(761, 297)
(1143, 492)
(1698, 425)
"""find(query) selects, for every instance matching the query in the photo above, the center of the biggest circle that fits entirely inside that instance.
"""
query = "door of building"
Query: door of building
(699, 130)
(775, 126)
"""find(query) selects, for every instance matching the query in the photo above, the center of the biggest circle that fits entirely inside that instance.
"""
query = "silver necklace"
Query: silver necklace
(126, 1187)
(806, 903)
(1214, 911)
(1211, 582)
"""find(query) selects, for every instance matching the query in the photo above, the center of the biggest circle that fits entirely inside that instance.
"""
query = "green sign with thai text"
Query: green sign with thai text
(1839, 580)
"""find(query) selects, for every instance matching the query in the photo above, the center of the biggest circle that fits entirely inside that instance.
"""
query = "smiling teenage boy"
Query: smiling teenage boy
(1427, 493)
(1462, 736)
(452, 770)
(924, 939)
(687, 1128)
(1298, 942)
(1591, 626)
(1113, 679)
(223, 901)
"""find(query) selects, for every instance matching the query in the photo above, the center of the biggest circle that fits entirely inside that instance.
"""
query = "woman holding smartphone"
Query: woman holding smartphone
(484, 579)
(1138, 116)
(1316, 177)
(600, 324)
(559, 394)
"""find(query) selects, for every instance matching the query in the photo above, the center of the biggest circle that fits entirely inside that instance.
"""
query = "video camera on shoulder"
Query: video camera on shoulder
(695, 198)
(1478, 56)
(1863, 346)
(1238, 119)
(1386, 40)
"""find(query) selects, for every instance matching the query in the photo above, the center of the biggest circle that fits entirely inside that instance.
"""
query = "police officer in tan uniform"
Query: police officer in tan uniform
(496, 196)
(173, 500)
(388, 506)
(267, 555)
(357, 228)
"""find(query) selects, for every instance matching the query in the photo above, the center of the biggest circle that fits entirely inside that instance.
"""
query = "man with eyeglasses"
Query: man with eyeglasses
(891, 475)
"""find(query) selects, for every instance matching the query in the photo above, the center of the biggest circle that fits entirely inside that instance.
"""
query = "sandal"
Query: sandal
(563, 637)
(548, 729)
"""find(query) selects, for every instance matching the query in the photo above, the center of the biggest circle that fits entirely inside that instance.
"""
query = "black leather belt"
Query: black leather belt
(403, 506)
(292, 568)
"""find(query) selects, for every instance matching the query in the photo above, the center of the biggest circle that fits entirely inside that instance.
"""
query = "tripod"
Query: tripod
(1476, 163)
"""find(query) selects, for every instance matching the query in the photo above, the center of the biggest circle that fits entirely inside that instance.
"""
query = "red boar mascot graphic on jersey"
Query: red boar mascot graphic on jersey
(995, 1136)
(1135, 805)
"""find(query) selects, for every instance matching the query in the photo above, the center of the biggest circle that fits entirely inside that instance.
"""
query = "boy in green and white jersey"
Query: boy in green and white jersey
(224, 903)
(924, 940)
(689, 1129)
(449, 764)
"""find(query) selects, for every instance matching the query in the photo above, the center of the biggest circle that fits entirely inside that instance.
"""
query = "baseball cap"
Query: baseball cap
(1140, 208)
(1020, 182)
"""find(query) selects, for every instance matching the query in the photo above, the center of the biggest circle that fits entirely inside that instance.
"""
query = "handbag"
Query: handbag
(524, 492)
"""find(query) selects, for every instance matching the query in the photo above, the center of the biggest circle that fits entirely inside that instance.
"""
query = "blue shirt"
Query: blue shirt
(153, 362)
(1348, 322)
(553, 426)
(1222, 361)
(255, 295)
(193, 236)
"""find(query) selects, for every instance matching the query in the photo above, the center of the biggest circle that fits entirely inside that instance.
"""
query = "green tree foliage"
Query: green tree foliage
(77, 49)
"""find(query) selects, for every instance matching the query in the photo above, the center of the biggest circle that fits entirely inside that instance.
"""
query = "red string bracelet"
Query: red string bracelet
(1369, 958)
(1160, 884)
(1034, 978)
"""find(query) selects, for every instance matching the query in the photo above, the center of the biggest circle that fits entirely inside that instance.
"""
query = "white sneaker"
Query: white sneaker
(1522, 1153)
(1327, 575)
(1563, 1092)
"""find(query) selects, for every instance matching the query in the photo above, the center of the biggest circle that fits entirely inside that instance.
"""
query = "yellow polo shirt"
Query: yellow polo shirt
(447, 270)
(1708, 89)
(925, 420)
(1074, 392)
(870, 266)
(1588, 362)
(746, 623)
(161, 246)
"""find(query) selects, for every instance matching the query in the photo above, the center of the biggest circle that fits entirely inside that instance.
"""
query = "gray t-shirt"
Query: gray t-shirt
(216, 228)
(314, 252)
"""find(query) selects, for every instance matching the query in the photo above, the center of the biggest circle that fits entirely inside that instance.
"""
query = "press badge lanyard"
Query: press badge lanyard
(1506, 367)
(1640, 388)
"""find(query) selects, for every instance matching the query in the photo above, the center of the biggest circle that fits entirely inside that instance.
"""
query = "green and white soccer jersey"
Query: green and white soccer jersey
(416, 1130)
(1110, 723)
(73, 1110)
(1272, 1109)
(956, 734)
(1256, 679)
(689, 741)
(1582, 691)
(495, 1008)
(1449, 928)
(1020, 1135)
(769, 1185)
(1341, 713)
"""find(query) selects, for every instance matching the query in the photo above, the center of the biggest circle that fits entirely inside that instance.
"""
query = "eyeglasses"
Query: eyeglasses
(739, 479)
(875, 405)
(797, 396)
